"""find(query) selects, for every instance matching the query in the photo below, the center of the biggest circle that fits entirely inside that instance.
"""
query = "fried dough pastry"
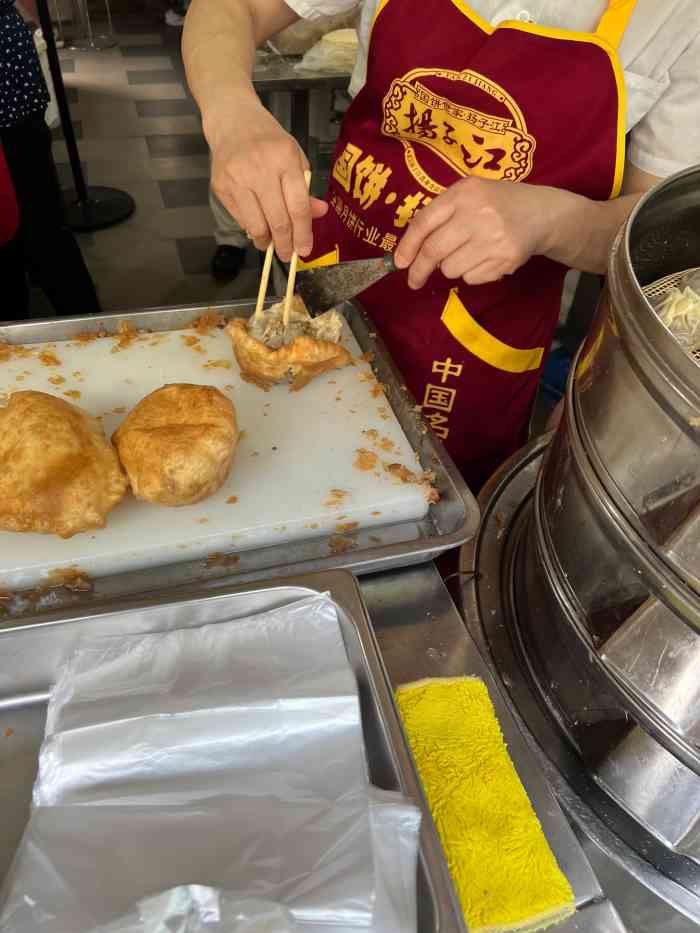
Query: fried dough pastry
(267, 354)
(58, 472)
(178, 443)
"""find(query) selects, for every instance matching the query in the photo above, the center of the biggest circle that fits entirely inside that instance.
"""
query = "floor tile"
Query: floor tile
(65, 174)
(165, 108)
(156, 91)
(186, 125)
(67, 66)
(156, 60)
(187, 192)
(72, 95)
(196, 253)
(180, 167)
(153, 76)
(142, 50)
(176, 145)
(127, 41)
(57, 132)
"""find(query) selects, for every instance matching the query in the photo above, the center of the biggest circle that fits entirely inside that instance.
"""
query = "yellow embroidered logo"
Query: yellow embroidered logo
(470, 141)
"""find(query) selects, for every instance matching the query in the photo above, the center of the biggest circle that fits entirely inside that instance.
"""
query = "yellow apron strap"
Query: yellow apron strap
(481, 343)
(613, 22)
(327, 259)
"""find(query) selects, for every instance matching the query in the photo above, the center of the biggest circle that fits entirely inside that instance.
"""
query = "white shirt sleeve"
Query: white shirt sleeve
(312, 9)
(667, 139)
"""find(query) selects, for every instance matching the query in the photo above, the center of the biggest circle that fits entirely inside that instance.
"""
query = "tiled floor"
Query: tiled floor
(139, 130)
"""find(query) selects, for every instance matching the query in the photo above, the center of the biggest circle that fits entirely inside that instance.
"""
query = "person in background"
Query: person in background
(485, 148)
(14, 282)
(45, 246)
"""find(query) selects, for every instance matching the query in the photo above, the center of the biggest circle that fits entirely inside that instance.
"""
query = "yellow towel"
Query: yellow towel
(502, 867)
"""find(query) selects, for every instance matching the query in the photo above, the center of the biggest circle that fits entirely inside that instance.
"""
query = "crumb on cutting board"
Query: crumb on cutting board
(47, 358)
(365, 460)
(72, 393)
(217, 364)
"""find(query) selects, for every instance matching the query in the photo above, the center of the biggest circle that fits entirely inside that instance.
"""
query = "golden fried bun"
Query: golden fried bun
(177, 444)
(267, 354)
(58, 472)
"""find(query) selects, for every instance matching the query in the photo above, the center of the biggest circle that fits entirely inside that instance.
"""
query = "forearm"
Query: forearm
(218, 46)
(580, 232)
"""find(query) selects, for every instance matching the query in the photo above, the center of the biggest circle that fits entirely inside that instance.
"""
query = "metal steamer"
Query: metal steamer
(587, 586)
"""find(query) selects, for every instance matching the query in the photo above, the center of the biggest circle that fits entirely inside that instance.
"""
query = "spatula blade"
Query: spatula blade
(325, 287)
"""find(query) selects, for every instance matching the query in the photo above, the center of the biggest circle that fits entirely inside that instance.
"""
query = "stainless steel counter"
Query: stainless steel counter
(421, 634)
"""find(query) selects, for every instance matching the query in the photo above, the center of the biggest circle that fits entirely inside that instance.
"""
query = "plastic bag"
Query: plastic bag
(197, 909)
(229, 756)
(679, 310)
(336, 51)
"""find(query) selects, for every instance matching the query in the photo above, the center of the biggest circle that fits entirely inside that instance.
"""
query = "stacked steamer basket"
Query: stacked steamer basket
(603, 575)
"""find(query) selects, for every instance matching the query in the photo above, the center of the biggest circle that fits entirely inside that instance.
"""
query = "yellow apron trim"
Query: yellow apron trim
(481, 343)
(327, 259)
(614, 21)
(380, 7)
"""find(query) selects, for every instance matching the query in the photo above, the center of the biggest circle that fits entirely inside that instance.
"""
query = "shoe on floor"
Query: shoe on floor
(227, 262)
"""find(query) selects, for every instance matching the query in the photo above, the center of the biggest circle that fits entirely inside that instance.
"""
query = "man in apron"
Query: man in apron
(486, 150)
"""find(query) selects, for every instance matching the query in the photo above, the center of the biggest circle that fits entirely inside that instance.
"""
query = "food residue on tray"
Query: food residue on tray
(126, 335)
(383, 443)
(202, 521)
(375, 540)
(217, 364)
(376, 513)
(232, 500)
(56, 380)
(72, 393)
(424, 480)
(365, 460)
(209, 321)
(87, 337)
(339, 544)
(222, 560)
(78, 375)
(367, 356)
(119, 410)
(71, 578)
(8, 732)
(20, 377)
(335, 497)
(11, 351)
(383, 413)
(311, 525)
(345, 528)
(192, 342)
(47, 358)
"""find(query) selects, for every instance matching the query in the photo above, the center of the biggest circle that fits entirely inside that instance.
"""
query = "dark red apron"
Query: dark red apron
(9, 214)
(446, 96)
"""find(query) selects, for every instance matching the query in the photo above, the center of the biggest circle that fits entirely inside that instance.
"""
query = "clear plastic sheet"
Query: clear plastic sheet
(196, 909)
(228, 756)
(248, 707)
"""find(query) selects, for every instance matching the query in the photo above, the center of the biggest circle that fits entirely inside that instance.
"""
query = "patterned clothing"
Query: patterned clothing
(23, 91)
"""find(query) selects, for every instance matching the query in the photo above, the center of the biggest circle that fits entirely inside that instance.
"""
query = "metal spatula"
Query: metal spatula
(327, 286)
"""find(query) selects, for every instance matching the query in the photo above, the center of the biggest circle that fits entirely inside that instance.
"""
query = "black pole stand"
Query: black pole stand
(90, 208)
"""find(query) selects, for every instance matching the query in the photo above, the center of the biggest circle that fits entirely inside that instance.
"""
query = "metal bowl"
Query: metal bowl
(636, 390)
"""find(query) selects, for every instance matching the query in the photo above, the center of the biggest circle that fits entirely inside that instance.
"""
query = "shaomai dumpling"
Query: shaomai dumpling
(177, 444)
(268, 354)
(58, 472)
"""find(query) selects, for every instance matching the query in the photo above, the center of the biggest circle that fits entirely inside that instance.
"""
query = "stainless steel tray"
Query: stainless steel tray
(31, 653)
(450, 523)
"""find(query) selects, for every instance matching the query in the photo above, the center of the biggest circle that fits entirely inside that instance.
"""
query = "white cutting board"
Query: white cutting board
(297, 447)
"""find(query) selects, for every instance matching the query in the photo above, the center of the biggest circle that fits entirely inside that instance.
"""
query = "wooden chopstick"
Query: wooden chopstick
(292, 272)
(265, 277)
